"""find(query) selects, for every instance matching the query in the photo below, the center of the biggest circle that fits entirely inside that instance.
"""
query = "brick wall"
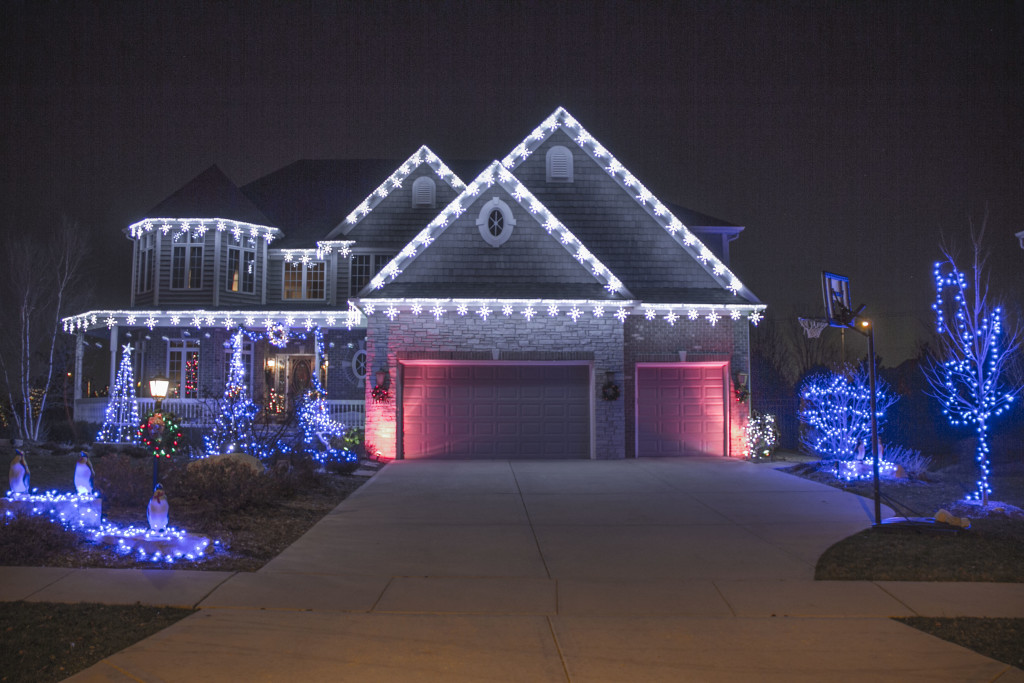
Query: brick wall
(411, 336)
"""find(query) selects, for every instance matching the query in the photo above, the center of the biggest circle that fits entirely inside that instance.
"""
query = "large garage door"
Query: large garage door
(464, 410)
(681, 409)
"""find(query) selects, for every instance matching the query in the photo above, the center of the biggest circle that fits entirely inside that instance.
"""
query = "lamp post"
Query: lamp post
(868, 330)
(158, 390)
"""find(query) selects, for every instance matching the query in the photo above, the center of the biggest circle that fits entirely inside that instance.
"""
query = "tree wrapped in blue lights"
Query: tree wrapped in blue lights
(966, 372)
(318, 427)
(233, 427)
(121, 421)
(835, 407)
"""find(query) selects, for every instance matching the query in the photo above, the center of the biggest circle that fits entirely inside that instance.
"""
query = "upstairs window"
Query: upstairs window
(187, 261)
(145, 262)
(241, 275)
(362, 268)
(304, 280)
(559, 163)
(495, 222)
(423, 191)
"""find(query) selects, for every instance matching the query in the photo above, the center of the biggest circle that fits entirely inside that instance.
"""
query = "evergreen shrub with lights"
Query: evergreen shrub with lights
(835, 409)
(233, 427)
(121, 420)
(762, 435)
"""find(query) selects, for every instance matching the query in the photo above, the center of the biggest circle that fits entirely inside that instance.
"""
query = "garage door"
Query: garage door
(466, 410)
(681, 409)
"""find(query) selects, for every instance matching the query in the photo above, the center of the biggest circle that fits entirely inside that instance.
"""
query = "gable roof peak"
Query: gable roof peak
(423, 155)
(655, 208)
(497, 174)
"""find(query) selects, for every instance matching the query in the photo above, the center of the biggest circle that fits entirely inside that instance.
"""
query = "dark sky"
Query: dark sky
(844, 136)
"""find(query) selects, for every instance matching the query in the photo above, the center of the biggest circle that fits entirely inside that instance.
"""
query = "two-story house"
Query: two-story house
(546, 305)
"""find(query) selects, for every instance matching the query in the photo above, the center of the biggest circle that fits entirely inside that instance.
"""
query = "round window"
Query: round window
(359, 364)
(496, 223)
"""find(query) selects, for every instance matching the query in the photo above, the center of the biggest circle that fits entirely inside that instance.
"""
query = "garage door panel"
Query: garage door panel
(681, 410)
(497, 411)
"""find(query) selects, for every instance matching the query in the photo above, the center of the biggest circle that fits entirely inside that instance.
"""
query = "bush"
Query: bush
(34, 540)
(912, 462)
(229, 485)
(835, 408)
(124, 480)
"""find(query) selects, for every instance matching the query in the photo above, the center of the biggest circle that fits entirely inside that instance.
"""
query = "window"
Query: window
(363, 267)
(187, 262)
(241, 275)
(495, 222)
(559, 165)
(304, 280)
(146, 262)
(183, 368)
(423, 192)
(246, 362)
(359, 364)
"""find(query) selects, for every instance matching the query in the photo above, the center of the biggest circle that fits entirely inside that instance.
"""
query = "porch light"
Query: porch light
(383, 378)
(158, 389)
(741, 379)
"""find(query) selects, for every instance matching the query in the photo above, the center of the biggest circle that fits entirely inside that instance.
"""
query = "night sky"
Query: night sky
(843, 136)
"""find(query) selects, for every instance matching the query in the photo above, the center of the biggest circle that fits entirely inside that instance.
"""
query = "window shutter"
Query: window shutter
(560, 164)
(423, 192)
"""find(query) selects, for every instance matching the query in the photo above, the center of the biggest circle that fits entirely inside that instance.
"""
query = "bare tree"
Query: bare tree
(975, 349)
(43, 273)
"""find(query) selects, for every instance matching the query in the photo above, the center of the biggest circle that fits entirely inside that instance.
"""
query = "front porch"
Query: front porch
(195, 412)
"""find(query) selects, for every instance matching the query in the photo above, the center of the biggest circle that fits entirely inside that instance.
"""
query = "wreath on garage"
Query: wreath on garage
(610, 391)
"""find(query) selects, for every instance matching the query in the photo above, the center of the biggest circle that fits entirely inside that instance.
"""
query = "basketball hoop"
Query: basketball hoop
(813, 326)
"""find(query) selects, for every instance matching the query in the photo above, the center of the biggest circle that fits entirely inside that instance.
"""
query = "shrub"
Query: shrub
(835, 408)
(762, 435)
(229, 485)
(34, 540)
(911, 460)
(124, 480)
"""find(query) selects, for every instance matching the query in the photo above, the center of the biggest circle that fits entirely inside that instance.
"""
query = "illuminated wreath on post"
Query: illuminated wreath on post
(610, 391)
(278, 335)
(161, 433)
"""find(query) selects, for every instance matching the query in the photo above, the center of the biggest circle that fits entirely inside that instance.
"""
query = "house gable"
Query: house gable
(393, 197)
(628, 242)
(542, 258)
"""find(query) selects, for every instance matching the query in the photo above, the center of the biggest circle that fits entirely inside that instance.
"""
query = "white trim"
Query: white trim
(483, 222)
(185, 225)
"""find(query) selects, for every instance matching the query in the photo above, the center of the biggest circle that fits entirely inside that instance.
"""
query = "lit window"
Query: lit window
(183, 368)
(241, 275)
(362, 268)
(559, 165)
(145, 262)
(304, 280)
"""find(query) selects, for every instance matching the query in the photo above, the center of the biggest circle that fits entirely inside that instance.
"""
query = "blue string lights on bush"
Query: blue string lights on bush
(121, 421)
(234, 423)
(836, 409)
(971, 357)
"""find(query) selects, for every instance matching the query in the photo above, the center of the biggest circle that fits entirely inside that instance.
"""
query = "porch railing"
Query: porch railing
(201, 413)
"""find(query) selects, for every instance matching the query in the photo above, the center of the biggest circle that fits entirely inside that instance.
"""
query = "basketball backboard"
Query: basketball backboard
(835, 290)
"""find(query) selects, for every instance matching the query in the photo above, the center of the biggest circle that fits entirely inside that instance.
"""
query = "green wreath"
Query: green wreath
(161, 433)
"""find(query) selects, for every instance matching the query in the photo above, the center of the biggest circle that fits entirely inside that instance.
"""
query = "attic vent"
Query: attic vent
(559, 161)
(423, 193)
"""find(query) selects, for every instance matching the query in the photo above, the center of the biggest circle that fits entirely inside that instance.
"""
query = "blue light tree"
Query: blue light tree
(836, 408)
(318, 427)
(121, 420)
(966, 371)
(233, 427)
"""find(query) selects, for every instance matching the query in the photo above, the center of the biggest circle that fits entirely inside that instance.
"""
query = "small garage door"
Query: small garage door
(681, 409)
(463, 410)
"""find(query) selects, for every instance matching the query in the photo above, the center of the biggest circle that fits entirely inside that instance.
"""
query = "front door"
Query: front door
(292, 376)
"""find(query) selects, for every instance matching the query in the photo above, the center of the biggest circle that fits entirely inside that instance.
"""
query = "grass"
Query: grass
(44, 642)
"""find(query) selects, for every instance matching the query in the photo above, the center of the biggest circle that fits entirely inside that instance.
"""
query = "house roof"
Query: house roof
(495, 174)
(210, 195)
(659, 211)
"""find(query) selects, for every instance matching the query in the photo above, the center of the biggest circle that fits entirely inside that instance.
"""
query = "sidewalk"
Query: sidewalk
(563, 571)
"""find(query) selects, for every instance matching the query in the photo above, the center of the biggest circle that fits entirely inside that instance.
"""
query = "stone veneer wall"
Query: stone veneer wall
(657, 341)
(511, 339)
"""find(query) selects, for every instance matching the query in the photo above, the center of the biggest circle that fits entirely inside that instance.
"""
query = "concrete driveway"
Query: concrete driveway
(636, 570)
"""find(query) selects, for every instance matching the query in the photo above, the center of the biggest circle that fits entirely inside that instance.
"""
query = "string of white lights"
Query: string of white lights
(179, 227)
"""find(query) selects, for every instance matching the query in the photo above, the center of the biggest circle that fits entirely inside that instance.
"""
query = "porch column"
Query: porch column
(113, 358)
(79, 353)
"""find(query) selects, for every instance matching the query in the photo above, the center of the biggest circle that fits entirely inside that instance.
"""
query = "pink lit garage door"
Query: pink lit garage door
(463, 410)
(681, 410)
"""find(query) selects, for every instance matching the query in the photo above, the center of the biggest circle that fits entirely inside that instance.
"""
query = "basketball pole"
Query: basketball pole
(872, 375)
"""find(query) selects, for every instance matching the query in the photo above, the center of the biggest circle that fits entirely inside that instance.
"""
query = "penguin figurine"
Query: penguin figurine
(156, 513)
(83, 475)
(19, 473)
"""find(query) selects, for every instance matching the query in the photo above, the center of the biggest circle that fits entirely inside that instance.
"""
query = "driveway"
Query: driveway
(635, 570)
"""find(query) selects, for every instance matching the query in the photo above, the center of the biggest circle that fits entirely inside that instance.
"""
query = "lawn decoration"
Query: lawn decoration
(762, 436)
(83, 475)
(161, 433)
(19, 473)
(70, 509)
(120, 422)
(157, 510)
(233, 428)
(836, 410)
(167, 545)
